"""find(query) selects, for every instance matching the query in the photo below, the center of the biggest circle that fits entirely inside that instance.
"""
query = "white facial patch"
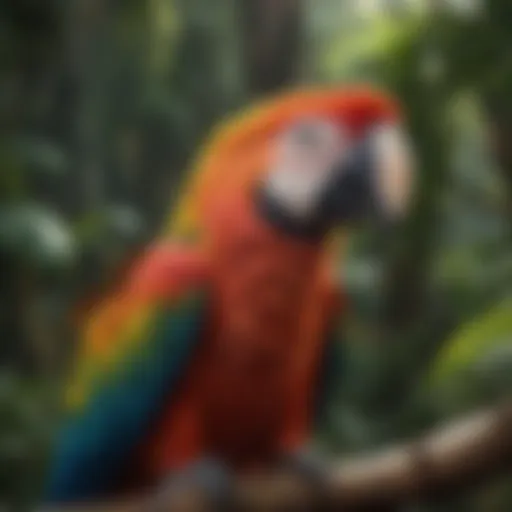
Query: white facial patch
(304, 160)
(395, 169)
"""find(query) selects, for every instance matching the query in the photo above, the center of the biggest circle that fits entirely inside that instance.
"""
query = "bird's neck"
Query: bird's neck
(279, 216)
(253, 224)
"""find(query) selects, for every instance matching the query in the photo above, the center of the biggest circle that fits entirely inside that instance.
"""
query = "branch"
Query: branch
(448, 459)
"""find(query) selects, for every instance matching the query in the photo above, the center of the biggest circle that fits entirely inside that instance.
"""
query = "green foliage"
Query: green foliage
(41, 157)
(482, 338)
(25, 431)
(360, 55)
(115, 223)
(36, 238)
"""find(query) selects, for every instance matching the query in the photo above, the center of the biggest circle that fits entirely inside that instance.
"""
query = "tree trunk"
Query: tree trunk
(271, 35)
(422, 89)
(84, 92)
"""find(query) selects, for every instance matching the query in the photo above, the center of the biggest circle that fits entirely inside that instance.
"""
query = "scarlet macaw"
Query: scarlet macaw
(212, 348)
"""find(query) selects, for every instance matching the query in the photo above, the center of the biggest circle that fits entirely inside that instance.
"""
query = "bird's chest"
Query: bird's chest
(259, 336)
(259, 323)
(262, 291)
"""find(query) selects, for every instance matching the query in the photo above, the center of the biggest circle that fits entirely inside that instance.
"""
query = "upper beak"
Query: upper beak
(351, 196)
(373, 182)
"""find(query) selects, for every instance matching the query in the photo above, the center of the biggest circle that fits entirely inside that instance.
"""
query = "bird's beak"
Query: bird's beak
(373, 182)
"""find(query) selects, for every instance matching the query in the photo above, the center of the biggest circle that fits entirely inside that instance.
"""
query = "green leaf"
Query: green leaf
(36, 237)
(368, 48)
(473, 341)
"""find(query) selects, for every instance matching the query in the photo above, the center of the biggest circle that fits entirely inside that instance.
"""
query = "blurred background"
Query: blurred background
(102, 104)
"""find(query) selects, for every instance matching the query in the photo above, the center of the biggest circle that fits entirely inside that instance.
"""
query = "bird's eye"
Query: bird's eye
(310, 148)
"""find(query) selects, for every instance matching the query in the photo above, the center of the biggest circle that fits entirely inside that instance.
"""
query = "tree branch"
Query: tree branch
(448, 459)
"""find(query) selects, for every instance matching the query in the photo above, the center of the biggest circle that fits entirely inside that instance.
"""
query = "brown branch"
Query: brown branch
(447, 460)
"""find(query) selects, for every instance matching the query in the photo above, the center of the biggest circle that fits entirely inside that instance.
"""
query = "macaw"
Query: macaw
(213, 347)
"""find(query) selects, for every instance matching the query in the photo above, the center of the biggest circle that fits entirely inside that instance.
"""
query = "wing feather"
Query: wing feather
(137, 347)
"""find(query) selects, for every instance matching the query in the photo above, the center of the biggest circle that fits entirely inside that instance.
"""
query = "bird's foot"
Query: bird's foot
(204, 486)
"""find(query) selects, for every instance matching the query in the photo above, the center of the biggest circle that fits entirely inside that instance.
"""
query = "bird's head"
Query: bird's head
(317, 159)
(322, 175)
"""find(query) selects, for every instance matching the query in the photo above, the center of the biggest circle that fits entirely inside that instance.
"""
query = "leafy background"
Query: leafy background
(102, 104)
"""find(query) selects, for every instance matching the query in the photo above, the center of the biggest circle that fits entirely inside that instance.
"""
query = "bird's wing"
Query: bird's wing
(136, 348)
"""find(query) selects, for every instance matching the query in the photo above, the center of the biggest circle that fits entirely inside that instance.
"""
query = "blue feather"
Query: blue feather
(97, 444)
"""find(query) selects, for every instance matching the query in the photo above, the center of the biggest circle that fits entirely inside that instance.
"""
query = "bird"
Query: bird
(216, 354)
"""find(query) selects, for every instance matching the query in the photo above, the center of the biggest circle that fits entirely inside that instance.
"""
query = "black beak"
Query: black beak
(352, 196)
